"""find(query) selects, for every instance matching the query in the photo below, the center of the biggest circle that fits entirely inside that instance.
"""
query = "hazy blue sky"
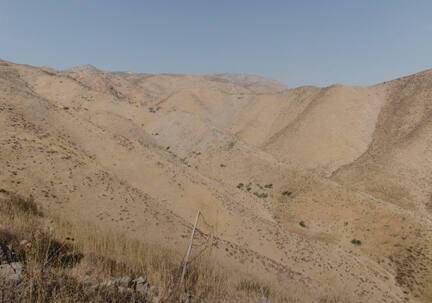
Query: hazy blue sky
(297, 42)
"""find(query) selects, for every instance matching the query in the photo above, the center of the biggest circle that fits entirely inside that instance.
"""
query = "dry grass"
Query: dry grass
(64, 261)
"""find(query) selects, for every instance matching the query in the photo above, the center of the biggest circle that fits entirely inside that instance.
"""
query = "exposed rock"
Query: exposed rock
(7, 254)
(140, 285)
(11, 273)
(88, 68)
(116, 282)
(123, 284)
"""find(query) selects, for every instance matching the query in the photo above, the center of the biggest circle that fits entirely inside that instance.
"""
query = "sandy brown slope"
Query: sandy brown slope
(333, 129)
(143, 152)
(397, 165)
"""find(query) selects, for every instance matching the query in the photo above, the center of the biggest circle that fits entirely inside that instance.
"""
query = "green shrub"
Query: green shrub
(260, 195)
(286, 193)
(356, 242)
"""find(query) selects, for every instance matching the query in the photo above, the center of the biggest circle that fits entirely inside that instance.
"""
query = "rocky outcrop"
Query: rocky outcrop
(125, 284)
(11, 276)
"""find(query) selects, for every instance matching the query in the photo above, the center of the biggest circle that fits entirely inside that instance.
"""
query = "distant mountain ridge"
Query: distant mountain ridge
(88, 68)
(247, 80)
(240, 79)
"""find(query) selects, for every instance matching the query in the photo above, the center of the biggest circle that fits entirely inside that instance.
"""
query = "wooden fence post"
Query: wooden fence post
(186, 260)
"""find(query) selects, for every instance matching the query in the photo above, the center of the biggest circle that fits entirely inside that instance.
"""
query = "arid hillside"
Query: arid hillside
(324, 192)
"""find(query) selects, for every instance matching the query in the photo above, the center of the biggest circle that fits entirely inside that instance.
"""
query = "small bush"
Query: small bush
(66, 107)
(16, 204)
(302, 224)
(48, 251)
(268, 185)
(356, 242)
(240, 185)
(286, 193)
(260, 195)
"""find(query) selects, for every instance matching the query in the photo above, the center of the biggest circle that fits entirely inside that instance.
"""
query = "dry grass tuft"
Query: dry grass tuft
(254, 287)
(63, 262)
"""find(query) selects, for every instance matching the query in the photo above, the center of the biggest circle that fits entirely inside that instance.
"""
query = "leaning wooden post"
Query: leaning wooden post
(186, 260)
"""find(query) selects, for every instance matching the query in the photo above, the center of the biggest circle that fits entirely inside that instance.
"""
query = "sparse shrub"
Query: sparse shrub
(51, 252)
(261, 195)
(356, 242)
(302, 224)
(222, 165)
(287, 193)
(268, 185)
(16, 204)
(254, 287)
(240, 185)
(66, 107)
